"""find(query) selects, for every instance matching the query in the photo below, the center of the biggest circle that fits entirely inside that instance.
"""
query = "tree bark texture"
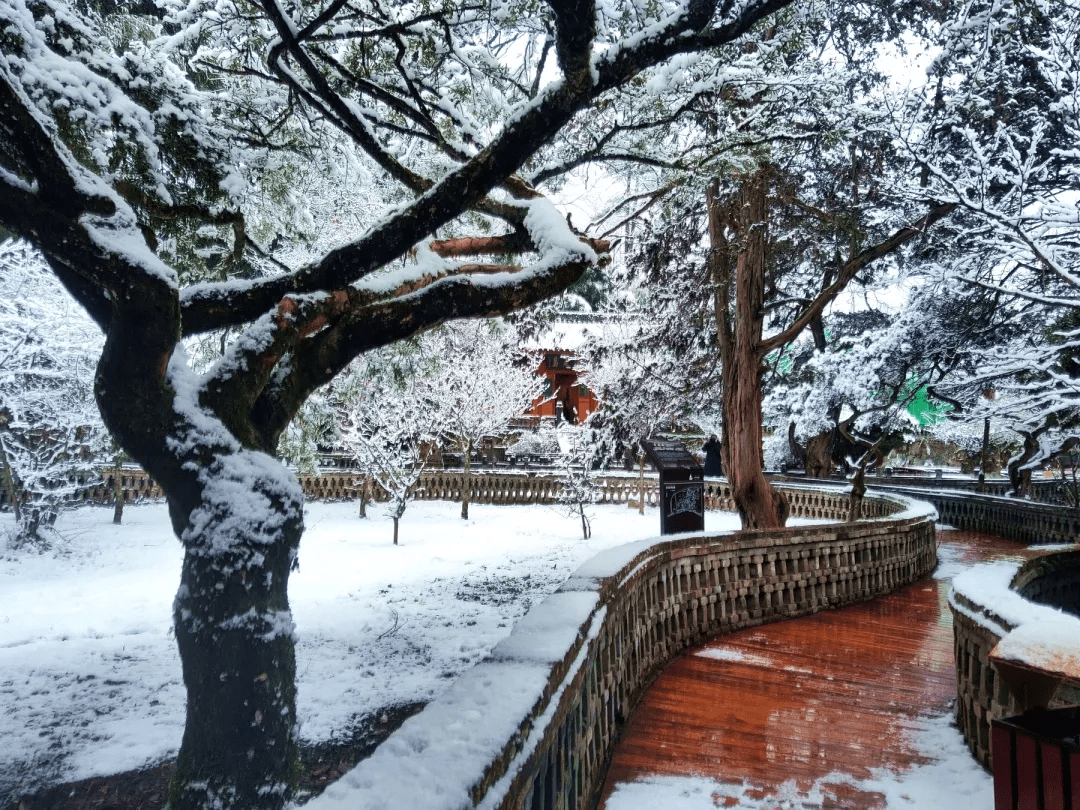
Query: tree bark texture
(118, 492)
(1019, 473)
(798, 454)
(855, 498)
(740, 336)
(235, 634)
(365, 495)
(819, 455)
(466, 479)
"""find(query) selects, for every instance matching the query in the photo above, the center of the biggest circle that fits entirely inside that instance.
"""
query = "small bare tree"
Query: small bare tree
(579, 487)
(388, 427)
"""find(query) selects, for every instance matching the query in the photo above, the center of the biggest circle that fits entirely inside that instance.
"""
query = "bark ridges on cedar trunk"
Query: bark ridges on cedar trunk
(738, 230)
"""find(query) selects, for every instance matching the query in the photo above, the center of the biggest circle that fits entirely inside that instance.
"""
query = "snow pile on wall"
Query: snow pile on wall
(1032, 634)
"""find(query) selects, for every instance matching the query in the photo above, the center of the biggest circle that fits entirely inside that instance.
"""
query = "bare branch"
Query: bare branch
(847, 272)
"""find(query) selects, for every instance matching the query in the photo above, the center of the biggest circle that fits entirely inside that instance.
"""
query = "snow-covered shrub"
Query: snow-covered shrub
(540, 442)
(51, 434)
(386, 425)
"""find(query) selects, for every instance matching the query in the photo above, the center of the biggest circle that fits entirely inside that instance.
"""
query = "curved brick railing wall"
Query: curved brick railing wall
(555, 693)
(982, 694)
(1052, 580)
(1027, 522)
(512, 488)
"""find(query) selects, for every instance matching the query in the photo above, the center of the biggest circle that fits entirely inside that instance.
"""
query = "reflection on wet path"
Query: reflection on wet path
(840, 691)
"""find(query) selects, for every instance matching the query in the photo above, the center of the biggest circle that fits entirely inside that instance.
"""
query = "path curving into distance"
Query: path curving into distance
(848, 709)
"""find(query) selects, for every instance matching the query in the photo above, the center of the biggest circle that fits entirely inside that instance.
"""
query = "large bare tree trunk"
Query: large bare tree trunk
(819, 455)
(1019, 473)
(798, 454)
(760, 505)
(231, 614)
(365, 495)
(234, 630)
(738, 233)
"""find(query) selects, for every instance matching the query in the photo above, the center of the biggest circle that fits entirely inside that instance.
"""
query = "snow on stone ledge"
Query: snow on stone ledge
(436, 756)
(1052, 646)
(1034, 635)
(547, 631)
(912, 508)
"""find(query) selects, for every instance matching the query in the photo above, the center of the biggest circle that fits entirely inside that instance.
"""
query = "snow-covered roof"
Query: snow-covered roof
(570, 331)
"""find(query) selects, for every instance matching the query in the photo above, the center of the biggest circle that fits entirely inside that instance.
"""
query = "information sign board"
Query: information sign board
(682, 486)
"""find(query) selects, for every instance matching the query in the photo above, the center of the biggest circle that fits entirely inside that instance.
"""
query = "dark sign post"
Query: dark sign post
(682, 486)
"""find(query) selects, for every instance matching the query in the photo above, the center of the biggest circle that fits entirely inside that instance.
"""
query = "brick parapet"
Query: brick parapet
(980, 693)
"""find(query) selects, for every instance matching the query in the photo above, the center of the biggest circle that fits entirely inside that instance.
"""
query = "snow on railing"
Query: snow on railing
(1017, 633)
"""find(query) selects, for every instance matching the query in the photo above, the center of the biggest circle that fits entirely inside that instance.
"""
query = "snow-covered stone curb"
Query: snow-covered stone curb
(985, 594)
(543, 710)
(997, 623)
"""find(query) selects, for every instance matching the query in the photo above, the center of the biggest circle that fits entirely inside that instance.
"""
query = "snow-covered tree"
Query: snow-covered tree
(642, 385)
(998, 136)
(479, 385)
(987, 442)
(839, 392)
(51, 435)
(784, 207)
(579, 452)
(388, 425)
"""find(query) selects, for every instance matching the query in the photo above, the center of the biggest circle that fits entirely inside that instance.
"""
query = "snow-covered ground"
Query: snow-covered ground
(90, 678)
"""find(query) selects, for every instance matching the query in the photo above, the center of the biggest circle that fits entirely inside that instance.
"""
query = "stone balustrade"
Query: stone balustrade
(1042, 490)
(807, 500)
(1027, 522)
(1013, 628)
(554, 694)
(485, 487)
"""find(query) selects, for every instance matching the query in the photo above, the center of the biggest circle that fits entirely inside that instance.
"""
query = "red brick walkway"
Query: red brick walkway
(840, 691)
